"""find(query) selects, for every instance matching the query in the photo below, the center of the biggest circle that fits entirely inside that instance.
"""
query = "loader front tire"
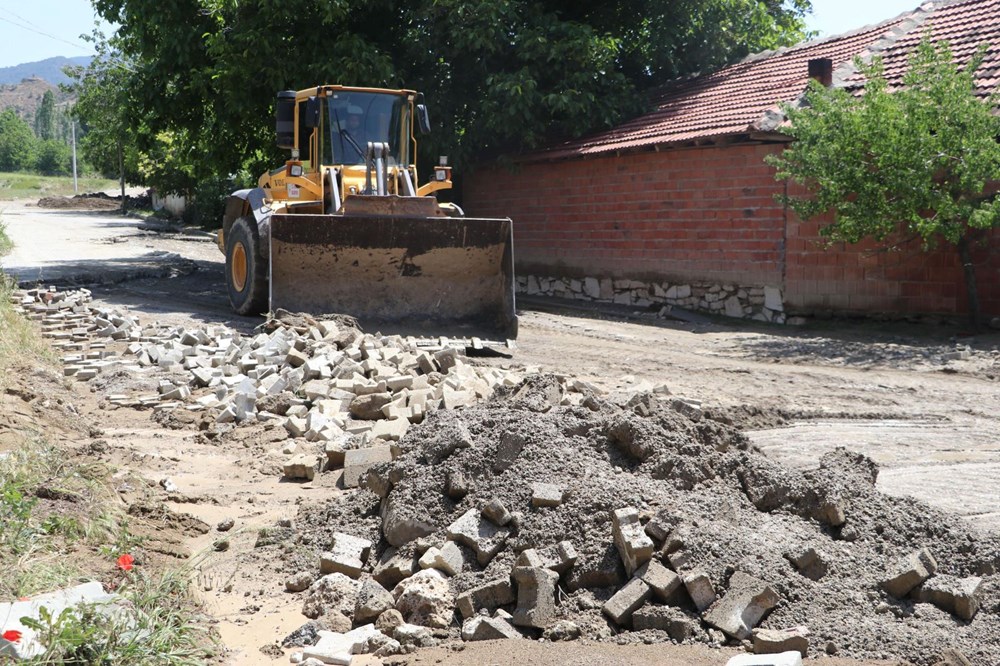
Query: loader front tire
(246, 272)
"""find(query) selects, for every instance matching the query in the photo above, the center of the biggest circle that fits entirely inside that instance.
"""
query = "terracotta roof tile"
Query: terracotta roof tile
(733, 100)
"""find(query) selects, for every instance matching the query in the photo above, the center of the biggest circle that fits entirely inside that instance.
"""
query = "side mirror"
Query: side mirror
(312, 112)
(423, 120)
(284, 119)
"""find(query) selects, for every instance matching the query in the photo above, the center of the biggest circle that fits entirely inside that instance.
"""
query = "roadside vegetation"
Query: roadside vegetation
(35, 186)
(61, 523)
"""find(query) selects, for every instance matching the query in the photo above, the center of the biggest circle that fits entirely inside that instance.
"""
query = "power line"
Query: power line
(44, 34)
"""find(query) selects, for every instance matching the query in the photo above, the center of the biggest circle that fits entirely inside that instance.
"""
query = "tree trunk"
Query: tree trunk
(121, 171)
(969, 270)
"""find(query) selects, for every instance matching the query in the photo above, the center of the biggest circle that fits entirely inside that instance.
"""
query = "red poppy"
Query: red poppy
(125, 562)
(12, 635)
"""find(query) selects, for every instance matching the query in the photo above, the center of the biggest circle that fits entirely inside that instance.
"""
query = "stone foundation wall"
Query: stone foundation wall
(759, 303)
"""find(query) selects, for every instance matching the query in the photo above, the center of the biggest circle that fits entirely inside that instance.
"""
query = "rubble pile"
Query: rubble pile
(636, 522)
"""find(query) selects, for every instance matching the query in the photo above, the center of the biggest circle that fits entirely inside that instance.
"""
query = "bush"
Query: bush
(54, 158)
(17, 142)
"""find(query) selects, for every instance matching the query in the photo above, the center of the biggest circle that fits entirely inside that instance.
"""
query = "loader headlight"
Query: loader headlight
(441, 174)
(295, 170)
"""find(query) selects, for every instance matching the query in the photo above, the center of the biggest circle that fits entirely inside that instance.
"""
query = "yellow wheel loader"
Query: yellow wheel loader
(345, 227)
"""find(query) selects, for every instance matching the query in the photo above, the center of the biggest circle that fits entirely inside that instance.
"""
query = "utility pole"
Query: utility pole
(72, 131)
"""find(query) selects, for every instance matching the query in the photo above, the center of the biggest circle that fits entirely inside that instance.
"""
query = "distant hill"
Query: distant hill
(49, 70)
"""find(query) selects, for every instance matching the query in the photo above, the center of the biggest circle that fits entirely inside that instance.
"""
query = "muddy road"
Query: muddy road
(920, 400)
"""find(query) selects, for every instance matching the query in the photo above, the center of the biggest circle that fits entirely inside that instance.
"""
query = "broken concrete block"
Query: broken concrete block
(909, 572)
(390, 429)
(634, 547)
(782, 659)
(456, 485)
(661, 580)
(674, 621)
(560, 558)
(333, 594)
(347, 555)
(358, 461)
(626, 601)
(489, 595)
(497, 512)
(481, 628)
(959, 596)
(810, 562)
(425, 599)
(510, 447)
(448, 558)
(369, 407)
(536, 597)
(743, 607)
(335, 454)
(336, 648)
(393, 567)
(699, 587)
(776, 641)
(482, 536)
(373, 600)
(546, 494)
(401, 524)
(302, 466)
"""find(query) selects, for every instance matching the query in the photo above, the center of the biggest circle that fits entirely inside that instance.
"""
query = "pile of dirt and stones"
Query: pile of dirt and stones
(637, 521)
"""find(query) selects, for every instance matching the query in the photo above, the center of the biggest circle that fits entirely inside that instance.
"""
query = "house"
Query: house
(678, 207)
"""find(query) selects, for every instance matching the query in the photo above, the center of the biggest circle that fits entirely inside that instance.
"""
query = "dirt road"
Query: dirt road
(919, 401)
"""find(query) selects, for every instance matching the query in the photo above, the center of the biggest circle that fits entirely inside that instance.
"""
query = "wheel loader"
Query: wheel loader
(344, 226)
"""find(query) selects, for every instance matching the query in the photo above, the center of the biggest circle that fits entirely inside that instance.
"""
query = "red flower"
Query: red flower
(125, 562)
(12, 635)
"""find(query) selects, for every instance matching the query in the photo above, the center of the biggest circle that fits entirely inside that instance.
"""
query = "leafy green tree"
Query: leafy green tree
(45, 117)
(914, 163)
(499, 76)
(17, 142)
(53, 158)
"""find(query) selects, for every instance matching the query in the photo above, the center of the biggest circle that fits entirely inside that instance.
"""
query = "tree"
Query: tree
(45, 117)
(53, 158)
(499, 76)
(913, 163)
(17, 142)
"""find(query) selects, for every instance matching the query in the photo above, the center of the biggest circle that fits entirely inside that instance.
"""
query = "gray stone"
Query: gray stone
(393, 567)
(674, 621)
(626, 601)
(401, 524)
(302, 466)
(388, 621)
(489, 595)
(909, 572)
(448, 559)
(497, 512)
(331, 594)
(810, 562)
(425, 599)
(482, 536)
(510, 447)
(456, 486)
(347, 555)
(776, 641)
(772, 299)
(536, 596)
(373, 601)
(661, 580)
(414, 635)
(299, 581)
(959, 596)
(369, 407)
(744, 605)
(358, 461)
(563, 630)
(546, 494)
(482, 628)
(335, 648)
(700, 589)
(634, 547)
(592, 287)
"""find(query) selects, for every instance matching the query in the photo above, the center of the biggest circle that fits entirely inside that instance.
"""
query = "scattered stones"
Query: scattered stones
(299, 581)
(563, 630)
(332, 594)
(373, 600)
(909, 572)
(497, 512)
(448, 559)
(225, 525)
(745, 604)
(300, 467)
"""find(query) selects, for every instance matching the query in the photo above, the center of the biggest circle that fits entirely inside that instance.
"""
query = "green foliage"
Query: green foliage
(908, 163)
(17, 142)
(45, 117)
(498, 76)
(53, 158)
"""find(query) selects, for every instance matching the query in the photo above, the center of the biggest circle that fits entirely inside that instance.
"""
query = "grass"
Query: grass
(34, 186)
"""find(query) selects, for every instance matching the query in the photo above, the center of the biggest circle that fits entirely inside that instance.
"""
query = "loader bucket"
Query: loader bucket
(425, 274)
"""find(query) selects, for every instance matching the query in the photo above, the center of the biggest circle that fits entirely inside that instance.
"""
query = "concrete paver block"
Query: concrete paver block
(634, 546)
(909, 572)
(484, 537)
(626, 601)
(744, 605)
(536, 597)
(489, 595)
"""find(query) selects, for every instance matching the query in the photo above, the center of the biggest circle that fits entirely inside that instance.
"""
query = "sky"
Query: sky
(40, 29)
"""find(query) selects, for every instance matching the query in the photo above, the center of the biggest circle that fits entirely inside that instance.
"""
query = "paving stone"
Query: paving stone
(373, 600)
(495, 511)
(776, 641)
(347, 555)
(958, 596)
(510, 447)
(626, 601)
(358, 461)
(484, 537)
(481, 628)
(909, 572)
(699, 587)
(746, 602)
(546, 495)
(448, 559)
(490, 595)
(536, 597)
(631, 541)
(661, 580)
(678, 625)
(302, 466)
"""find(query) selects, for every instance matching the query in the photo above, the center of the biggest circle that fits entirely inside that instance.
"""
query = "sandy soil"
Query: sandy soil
(901, 394)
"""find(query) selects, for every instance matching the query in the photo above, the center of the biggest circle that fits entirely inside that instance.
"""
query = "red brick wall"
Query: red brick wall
(708, 214)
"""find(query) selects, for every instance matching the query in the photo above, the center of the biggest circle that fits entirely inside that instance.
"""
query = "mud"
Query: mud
(721, 501)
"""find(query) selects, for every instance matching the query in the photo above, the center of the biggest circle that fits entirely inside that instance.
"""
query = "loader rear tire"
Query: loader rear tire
(246, 271)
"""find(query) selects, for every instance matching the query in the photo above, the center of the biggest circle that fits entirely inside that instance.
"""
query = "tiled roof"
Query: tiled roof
(739, 98)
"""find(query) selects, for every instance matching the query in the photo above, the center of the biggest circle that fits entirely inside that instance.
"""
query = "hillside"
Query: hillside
(49, 69)
(24, 97)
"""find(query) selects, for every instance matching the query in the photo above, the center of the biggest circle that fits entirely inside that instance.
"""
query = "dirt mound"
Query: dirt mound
(80, 202)
(712, 502)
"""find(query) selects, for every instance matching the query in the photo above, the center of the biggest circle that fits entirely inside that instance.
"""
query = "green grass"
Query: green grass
(34, 186)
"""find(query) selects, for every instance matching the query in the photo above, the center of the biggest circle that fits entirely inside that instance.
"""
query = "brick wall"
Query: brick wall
(709, 214)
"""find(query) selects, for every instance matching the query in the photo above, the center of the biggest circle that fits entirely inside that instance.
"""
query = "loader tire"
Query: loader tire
(246, 272)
